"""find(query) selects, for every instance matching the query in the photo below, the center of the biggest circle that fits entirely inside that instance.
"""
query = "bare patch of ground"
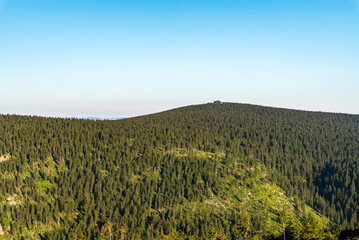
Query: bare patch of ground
(4, 158)
(11, 200)
(1, 231)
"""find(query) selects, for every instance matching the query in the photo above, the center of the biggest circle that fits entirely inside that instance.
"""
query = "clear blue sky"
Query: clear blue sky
(119, 58)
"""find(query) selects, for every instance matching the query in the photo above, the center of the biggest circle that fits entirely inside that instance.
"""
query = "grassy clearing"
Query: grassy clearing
(247, 189)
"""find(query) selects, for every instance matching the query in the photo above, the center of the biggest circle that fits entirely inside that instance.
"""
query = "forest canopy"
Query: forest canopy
(187, 171)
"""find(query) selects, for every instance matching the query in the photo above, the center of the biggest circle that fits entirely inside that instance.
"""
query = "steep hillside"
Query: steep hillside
(187, 169)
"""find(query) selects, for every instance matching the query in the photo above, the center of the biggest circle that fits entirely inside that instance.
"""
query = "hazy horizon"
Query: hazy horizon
(128, 58)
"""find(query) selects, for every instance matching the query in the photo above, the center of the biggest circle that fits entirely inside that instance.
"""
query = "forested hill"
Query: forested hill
(190, 170)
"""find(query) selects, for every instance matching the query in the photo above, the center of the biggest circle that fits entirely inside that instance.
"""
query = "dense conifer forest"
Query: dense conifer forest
(211, 171)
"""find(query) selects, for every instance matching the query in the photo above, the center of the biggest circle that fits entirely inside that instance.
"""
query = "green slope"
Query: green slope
(244, 190)
(187, 169)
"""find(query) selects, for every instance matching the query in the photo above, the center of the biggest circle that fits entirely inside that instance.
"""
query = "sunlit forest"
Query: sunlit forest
(211, 171)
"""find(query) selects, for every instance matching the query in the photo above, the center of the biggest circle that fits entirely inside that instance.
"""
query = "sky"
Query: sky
(123, 58)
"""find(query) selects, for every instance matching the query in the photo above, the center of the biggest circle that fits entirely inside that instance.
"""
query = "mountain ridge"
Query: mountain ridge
(192, 105)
